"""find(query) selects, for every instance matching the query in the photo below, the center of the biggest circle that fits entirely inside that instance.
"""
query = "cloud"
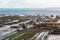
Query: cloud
(29, 3)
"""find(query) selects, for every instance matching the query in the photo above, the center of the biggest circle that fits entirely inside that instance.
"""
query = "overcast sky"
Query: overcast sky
(29, 3)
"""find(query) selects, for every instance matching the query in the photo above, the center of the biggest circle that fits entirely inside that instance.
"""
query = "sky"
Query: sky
(29, 3)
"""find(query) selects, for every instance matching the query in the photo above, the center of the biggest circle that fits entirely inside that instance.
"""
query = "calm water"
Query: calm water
(33, 12)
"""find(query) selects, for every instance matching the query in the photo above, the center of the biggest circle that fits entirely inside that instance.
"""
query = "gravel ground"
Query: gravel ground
(53, 37)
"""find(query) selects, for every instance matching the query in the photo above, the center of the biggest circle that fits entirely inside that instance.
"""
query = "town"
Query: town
(29, 27)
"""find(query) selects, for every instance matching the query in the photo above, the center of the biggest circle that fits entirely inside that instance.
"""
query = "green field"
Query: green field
(26, 31)
(25, 34)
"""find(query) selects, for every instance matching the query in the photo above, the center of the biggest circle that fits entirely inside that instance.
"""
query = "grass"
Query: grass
(18, 33)
(29, 34)
(26, 36)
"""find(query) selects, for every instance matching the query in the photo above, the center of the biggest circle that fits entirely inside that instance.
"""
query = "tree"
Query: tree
(52, 15)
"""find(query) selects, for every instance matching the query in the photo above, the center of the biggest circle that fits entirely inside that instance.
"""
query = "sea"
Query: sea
(29, 12)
